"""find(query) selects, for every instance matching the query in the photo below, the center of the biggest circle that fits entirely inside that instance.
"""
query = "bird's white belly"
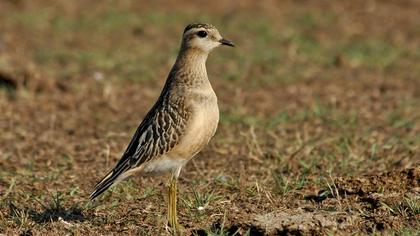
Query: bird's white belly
(162, 165)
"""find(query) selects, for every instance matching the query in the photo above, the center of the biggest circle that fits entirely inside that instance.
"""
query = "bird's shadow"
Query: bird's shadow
(54, 211)
(321, 196)
(72, 214)
(218, 228)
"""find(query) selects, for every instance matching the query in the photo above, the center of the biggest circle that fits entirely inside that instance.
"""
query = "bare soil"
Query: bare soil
(319, 130)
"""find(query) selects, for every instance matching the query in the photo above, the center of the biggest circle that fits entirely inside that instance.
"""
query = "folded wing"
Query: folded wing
(159, 132)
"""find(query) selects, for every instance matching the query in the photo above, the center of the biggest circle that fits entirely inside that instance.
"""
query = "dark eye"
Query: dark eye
(202, 34)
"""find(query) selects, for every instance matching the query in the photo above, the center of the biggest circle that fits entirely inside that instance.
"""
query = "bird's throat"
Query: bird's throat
(192, 57)
(191, 65)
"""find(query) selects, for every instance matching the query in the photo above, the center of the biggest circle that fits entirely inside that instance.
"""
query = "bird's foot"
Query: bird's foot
(175, 229)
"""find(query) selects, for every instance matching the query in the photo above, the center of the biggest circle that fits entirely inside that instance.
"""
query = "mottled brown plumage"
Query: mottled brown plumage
(181, 122)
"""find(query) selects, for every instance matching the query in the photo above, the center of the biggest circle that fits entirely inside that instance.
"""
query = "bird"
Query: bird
(180, 123)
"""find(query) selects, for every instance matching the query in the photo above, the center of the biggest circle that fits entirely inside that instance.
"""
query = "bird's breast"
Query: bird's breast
(202, 125)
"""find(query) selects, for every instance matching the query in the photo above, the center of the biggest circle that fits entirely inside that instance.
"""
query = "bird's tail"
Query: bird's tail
(112, 178)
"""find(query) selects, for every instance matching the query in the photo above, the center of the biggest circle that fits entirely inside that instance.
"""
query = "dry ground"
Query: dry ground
(319, 130)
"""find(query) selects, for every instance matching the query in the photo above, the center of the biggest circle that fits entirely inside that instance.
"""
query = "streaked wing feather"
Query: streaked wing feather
(160, 136)
(159, 132)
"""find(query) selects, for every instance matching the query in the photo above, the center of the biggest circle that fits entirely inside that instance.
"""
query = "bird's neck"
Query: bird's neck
(191, 65)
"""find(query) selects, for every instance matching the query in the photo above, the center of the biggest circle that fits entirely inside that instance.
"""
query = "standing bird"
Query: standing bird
(181, 122)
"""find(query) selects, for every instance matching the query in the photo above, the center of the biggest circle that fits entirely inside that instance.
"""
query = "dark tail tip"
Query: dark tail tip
(96, 193)
(110, 179)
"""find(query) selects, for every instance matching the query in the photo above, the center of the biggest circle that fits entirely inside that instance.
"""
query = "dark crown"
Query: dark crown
(198, 25)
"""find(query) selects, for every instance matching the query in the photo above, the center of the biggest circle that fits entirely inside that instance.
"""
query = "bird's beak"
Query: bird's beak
(227, 42)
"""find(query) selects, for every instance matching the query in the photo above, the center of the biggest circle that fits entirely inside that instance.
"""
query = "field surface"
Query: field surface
(319, 131)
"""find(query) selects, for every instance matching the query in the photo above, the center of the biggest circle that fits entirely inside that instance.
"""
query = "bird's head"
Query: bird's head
(203, 37)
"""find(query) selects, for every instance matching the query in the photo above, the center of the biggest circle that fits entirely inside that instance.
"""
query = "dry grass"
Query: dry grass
(319, 130)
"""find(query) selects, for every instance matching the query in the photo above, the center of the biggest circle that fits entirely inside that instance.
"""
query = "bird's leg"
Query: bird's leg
(172, 214)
